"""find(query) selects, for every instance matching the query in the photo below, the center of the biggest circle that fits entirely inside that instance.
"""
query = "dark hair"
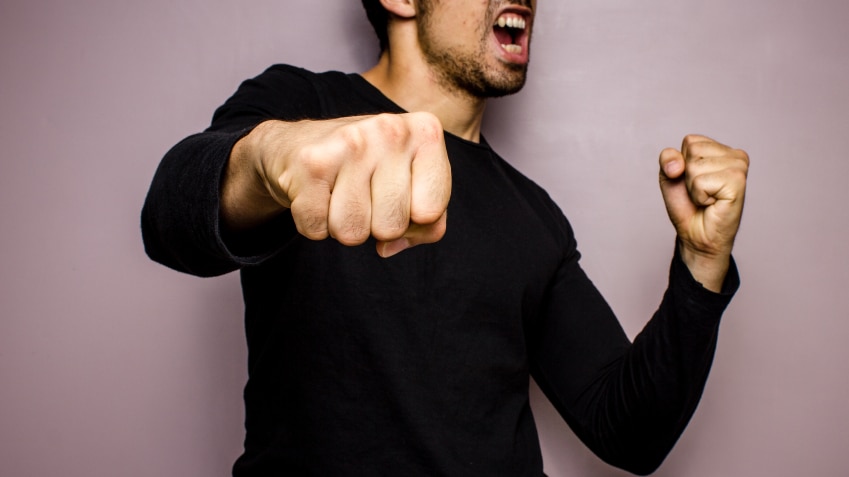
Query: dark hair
(379, 19)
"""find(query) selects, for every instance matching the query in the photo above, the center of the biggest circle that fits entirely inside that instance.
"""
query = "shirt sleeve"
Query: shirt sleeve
(628, 402)
(180, 217)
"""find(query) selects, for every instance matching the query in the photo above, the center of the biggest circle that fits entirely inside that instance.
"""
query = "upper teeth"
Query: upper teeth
(511, 21)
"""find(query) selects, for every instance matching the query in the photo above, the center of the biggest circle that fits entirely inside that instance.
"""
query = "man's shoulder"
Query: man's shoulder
(282, 70)
(300, 80)
(290, 92)
(335, 92)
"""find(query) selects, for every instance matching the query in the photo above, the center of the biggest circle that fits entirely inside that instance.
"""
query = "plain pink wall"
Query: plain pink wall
(113, 365)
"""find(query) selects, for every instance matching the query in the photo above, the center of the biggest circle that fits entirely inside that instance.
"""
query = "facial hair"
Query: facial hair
(466, 71)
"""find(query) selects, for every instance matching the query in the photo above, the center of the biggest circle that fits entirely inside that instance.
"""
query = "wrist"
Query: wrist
(709, 269)
(244, 194)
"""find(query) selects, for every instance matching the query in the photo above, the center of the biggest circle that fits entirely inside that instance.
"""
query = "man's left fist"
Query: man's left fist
(703, 186)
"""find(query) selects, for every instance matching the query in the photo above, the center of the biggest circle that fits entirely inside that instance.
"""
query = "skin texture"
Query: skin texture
(455, 39)
(385, 176)
(703, 187)
(388, 176)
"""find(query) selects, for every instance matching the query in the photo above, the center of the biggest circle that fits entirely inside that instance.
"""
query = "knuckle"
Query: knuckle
(315, 162)
(739, 176)
(429, 127)
(352, 233)
(431, 200)
(310, 216)
(353, 139)
(426, 215)
(349, 220)
(312, 224)
(391, 127)
(743, 155)
(691, 139)
(697, 150)
(698, 182)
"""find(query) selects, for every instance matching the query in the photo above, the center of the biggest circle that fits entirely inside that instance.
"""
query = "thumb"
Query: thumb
(415, 235)
(673, 187)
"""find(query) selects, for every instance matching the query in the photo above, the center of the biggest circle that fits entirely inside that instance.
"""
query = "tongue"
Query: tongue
(503, 36)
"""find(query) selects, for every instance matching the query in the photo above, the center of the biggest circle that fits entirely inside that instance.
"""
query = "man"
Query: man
(392, 331)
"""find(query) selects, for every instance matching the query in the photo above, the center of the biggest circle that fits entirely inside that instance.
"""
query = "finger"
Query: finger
(349, 215)
(417, 234)
(391, 196)
(708, 162)
(703, 167)
(672, 164)
(310, 212)
(309, 184)
(696, 148)
(431, 172)
(713, 156)
(727, 185)
(691, 139)
(673, 188)
(679, 206)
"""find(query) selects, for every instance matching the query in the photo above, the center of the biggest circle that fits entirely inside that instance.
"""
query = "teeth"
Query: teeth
(515, 49)
(511, 21)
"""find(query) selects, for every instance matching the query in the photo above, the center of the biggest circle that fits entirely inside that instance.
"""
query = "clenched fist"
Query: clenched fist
(703, 186)
(385, 176)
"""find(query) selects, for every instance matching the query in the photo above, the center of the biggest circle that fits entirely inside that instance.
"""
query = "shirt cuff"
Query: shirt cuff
(695, 294)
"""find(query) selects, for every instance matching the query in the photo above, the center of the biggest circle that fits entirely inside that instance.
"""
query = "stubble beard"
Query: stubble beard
(466, 72)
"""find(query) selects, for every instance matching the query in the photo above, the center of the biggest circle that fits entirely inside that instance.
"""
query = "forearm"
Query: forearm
(658, 383)
(630, 402)
(204, 213)
(180, 219)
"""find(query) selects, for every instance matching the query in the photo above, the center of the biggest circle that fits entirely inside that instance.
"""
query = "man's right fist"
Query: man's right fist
(385, 176)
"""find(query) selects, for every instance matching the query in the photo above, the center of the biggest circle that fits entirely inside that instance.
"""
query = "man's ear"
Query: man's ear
(400, 8)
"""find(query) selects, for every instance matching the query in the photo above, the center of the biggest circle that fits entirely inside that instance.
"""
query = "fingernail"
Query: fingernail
(672, 168)
(391, 248)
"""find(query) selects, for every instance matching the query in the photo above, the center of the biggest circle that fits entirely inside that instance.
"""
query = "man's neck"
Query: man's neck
(410, 82)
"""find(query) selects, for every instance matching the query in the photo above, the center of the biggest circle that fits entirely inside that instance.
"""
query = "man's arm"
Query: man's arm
(220, 193)
(629, 402)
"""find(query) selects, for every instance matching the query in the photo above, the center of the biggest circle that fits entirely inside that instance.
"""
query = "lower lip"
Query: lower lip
(514, 58)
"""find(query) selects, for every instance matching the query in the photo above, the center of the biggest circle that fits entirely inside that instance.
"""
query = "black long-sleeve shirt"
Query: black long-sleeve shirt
(418, 365)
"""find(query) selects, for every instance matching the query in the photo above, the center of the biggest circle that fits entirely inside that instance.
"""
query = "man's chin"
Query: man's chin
(504, 87)
(477, 80)
(499, 92)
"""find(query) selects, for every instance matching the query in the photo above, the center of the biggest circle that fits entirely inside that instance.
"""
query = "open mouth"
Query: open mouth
(511, 31)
